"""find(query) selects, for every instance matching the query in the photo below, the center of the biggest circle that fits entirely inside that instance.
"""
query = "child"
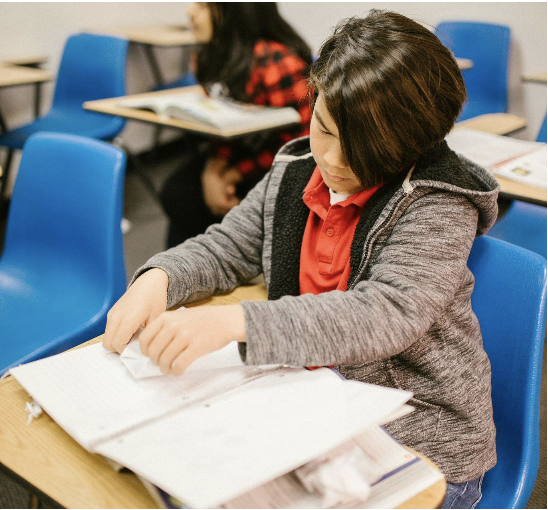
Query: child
(363, 232)
(250, 54)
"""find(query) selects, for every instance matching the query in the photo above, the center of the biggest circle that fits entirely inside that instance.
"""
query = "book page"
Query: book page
(211, 452)
(486, 149)
(91, 394)
(528, 169)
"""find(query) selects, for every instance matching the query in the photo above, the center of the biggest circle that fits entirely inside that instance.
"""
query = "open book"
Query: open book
(213, 434)
(223, 114)
(518, 160)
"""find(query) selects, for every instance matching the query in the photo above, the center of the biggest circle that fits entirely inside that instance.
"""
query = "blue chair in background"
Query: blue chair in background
(488, 46)
(542, 132)
(524, 225)
(509, 300)
(92, 67)
(62, 267)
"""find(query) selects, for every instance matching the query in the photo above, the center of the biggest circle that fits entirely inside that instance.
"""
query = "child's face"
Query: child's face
(326, 149)
(200, 21)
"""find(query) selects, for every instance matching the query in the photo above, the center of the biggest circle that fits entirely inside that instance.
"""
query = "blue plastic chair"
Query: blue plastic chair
(525, 225)
(62, 267)
(488, 46)
(509, 300)
(92, 67)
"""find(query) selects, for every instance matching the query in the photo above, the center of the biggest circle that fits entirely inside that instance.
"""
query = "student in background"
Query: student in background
(252, 55)
(363, 232)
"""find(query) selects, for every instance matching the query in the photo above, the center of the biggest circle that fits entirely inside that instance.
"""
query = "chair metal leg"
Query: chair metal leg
(5, 176)
(136, 166)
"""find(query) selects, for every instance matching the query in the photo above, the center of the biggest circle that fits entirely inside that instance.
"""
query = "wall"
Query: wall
(42, 28)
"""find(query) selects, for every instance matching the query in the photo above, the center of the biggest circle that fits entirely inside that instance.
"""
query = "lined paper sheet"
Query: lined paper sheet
(91, 394)
(210, 453)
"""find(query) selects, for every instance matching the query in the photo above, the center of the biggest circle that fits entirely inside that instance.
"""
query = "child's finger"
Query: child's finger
(110, 332)
(174, 349)
(123, 335)
(149, 332)
(189, 355)
(159, 343)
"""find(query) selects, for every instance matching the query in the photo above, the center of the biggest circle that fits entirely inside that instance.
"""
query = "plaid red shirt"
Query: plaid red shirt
(278, 78)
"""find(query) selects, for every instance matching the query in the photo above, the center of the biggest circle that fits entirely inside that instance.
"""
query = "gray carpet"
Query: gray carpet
(146, 238)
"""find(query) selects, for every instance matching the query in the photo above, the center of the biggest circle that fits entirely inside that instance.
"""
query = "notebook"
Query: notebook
(218, 431)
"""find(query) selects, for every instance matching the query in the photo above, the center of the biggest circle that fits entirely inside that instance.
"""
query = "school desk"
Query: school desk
(34, 61)
(11, 76)
(539, 77)
(111, 107)
(46, 460)
(149, 36)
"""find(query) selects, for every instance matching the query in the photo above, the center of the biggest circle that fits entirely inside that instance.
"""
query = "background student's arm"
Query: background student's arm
(413, 279)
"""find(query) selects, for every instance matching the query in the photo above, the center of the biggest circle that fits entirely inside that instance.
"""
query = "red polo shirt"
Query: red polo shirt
(325, 251)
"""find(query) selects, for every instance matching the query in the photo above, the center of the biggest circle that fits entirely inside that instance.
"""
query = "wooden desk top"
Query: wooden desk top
(494, 123)
(539, 77)
(50, 460)
(153, 35)
(18, 75)
(111, 107)
(25, 61)
(464, 63)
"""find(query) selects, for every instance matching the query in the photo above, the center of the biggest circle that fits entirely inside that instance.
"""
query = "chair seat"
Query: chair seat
(70, 121)
(47, 313)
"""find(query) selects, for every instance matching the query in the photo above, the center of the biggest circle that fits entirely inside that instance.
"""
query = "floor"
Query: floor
(146, 238)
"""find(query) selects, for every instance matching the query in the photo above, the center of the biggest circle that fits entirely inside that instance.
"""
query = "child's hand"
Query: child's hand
(145, 300)
(175, 339)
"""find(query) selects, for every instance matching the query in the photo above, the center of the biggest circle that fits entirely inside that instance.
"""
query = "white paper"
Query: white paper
(251, 435)
(139, 365)
(402, 476)
(91, 394)
(486, 149)
(528, 169)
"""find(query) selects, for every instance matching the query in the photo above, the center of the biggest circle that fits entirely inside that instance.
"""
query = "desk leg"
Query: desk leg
(3, 127)
(149, 52)
(37, 99)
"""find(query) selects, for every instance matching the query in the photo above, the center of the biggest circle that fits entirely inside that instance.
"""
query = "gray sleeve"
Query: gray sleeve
(413, 278)
(227, 255)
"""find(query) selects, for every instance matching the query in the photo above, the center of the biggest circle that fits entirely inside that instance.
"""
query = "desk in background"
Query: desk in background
(539, 77)
(149, 36)
(11, 76)
(51, 463)
(111, 107)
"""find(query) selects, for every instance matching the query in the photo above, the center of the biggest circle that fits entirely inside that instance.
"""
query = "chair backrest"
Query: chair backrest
(488, 46)
(66, 210)
(509, 300)
(92, 67)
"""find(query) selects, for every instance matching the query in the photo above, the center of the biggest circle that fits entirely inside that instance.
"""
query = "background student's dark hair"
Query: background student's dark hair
(237, 26)
(393, 90)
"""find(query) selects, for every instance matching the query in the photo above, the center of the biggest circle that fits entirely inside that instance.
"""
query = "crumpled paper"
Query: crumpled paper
(139, 365)
(341, 480)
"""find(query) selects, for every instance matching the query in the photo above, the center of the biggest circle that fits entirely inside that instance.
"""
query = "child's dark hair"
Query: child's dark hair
(237, 26)
(391, 87)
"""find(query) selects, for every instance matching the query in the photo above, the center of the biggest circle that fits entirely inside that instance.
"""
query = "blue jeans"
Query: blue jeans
(463, 495)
